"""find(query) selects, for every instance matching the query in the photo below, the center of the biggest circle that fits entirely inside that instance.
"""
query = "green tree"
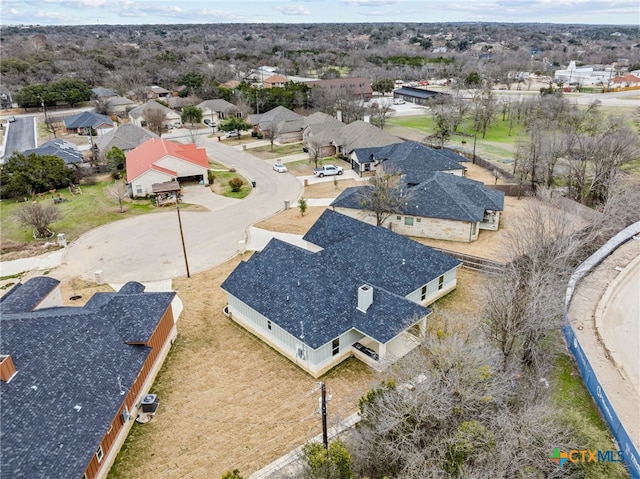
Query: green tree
(235, 474)
(236, 183)
(472, 79)
(27, 175)
(32, 96)
(70, 90)
(234, 124)
(334, 463)
(302, 204)
(116, 158)
(191, 114)
(383, 86)
(192, 80)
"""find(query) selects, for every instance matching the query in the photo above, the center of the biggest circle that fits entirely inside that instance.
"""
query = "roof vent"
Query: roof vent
(7, 368)
(365, 297)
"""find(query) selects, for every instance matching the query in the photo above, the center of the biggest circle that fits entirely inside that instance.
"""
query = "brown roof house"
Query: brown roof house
(358, 88)
(218, 109)
(137, 115)
(275, 81)
(279, 124)
(74, 379)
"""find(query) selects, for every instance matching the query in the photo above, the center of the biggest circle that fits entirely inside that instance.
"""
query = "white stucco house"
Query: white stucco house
(159, 161)
(359, 290)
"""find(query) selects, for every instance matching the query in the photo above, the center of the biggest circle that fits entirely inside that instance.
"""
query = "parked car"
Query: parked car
(11, 119)
(209, 123)
(279, 167)
(233, 134)
(328, 170)
(398, 101)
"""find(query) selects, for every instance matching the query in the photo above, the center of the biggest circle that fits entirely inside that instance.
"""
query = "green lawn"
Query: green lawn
(80, 213)
(221, 185)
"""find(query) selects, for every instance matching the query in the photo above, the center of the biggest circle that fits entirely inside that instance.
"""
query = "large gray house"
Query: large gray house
(364, 293)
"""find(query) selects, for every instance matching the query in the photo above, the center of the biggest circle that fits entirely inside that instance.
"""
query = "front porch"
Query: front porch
(490, 221)
(379, 356)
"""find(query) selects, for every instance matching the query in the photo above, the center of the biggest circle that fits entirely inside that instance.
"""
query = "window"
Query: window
(239, 114)
(423, 293)
(440, 282)
(408, 221)
(221, 115)
(99, 454)
(269, 324)
(398, 218)
(418, 220)
(139, 189)
(335, 346)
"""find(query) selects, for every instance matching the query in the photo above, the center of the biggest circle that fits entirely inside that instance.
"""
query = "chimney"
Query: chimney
(365, 297)
(7, 368)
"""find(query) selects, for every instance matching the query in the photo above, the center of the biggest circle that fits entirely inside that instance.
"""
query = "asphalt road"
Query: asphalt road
(149, 248)
(20, 135)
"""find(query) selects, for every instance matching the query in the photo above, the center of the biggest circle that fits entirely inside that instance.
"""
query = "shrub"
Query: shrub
(236, 183)
(259, 136)
(211, 176)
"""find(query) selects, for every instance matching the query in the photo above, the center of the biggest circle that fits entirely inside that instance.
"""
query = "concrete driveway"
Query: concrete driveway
(149, 247)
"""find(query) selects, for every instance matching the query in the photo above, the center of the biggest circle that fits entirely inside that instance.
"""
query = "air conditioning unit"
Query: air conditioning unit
(126, 415)
(301, 354)
(149, 403)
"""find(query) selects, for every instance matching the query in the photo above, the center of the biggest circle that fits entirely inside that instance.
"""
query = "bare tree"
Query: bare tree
(448, 411)
(384, 195)
(118, 191)
(39, 217)
(156, 120)
(380, 114)
(524, 304)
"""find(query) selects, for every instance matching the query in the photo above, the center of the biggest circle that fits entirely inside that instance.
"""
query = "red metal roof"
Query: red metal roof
(142, 158)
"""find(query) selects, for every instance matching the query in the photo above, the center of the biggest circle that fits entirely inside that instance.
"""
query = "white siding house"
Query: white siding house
(312, 306)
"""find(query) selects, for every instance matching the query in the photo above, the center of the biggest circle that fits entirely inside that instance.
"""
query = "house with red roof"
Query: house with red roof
(158, 160)
(625, 81)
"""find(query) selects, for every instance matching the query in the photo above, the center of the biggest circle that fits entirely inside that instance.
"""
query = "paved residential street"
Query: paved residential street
(148, 248)
(20, 136)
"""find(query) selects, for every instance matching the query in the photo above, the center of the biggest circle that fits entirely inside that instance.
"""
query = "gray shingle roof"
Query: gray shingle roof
(87, 119)
(324, 305)
(361, 134)
(392, 261)
(414, 160)
(126, 137)
(217, 105)
(139, 111)
(288, 284)
(443, 195)
(68, 151)
(59, 405)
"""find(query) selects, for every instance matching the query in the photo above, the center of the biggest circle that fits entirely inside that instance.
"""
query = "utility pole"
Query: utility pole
(325, 438)
(184, 249)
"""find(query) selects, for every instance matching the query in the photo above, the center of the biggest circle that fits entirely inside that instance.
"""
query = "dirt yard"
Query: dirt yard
(229, 401)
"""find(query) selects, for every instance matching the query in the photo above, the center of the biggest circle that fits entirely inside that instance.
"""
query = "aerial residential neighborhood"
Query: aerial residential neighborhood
(227, 265)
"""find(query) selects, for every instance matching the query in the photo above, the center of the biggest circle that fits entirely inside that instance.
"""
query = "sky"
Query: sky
(136, 12)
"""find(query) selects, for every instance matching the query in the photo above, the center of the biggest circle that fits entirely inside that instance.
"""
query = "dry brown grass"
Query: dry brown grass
(227, 400)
